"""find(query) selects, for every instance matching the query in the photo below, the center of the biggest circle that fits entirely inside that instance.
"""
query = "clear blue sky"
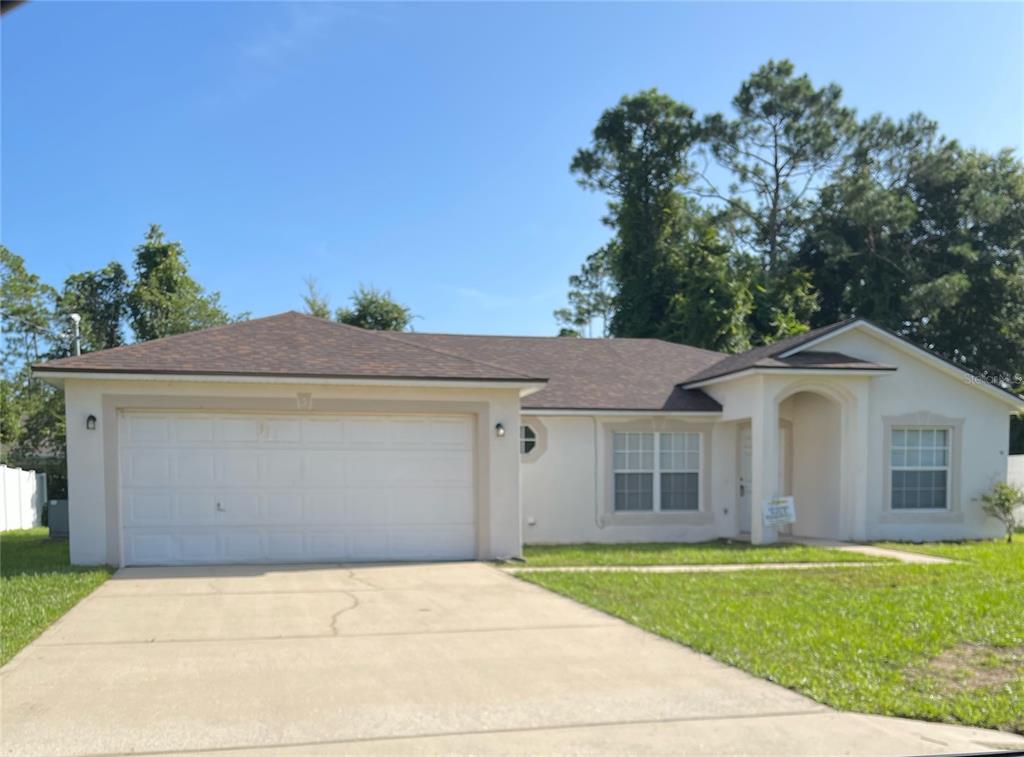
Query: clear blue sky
(421, 148)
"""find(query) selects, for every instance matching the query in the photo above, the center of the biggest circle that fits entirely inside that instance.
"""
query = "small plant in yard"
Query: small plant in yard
(1001, 503)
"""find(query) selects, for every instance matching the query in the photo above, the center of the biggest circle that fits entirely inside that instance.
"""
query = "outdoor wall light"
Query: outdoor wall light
(90, 423)
(499, 430)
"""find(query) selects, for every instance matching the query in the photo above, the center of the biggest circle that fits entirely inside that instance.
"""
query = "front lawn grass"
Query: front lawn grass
(719, 552)
(37, 586)
(936, 642)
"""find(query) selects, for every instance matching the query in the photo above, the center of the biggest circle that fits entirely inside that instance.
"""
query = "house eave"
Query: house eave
(58, 377)
(771, 370)
(588, 412)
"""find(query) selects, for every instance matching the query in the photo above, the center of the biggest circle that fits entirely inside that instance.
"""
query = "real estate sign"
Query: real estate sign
(778, 511)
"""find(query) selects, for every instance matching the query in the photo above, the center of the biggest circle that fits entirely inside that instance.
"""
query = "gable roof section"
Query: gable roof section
(286, 345)
(797, 352)
(766, 356)
(591, 374)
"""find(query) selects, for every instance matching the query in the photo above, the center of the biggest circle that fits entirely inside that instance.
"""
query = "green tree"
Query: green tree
(591, 295)
(32, 418)
(374, 309)
(26, 313)
(639, 157)
(785, 135)
(101, 299)
(164, 298)
(316, 302)
(925, 238)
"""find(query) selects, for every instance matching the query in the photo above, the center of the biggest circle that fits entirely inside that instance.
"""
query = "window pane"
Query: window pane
(942, 438)
(913, 438)
(899, 456)
(899, 438)
(680, 452)
(679, 491)
(921, 489)
(634, 491)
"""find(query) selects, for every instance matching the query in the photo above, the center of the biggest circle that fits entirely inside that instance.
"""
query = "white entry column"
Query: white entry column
(764, 427)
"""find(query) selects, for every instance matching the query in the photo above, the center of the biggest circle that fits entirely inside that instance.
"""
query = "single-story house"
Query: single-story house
(292, 438)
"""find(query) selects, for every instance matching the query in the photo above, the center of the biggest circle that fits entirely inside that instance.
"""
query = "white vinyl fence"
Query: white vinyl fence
(22, 497)
(1015, 476)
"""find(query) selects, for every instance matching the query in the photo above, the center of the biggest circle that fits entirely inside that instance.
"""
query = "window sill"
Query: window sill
(919, 515)
(648, 518)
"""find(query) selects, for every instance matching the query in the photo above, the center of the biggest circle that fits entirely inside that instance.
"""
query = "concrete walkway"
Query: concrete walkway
(730, 568)
(412, 659)
(897, 555)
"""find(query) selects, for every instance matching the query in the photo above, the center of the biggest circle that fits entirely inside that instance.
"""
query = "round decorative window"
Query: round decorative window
(527, 440)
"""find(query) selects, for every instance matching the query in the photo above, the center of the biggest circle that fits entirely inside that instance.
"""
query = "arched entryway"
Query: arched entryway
(813, 422)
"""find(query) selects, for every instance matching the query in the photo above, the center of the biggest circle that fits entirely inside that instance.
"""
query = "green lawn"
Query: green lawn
(37, 586)
(936, 642)
(720, 552)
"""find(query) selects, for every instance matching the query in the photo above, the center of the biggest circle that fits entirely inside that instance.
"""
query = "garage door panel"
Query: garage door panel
(204, 488)
(368, 505)
(238, 429)
(147, 507)
(322, 431)
(448, 506)
(146, 429)
(243, 545)
(238, 467)
(198, 546)
(282, 468)
(286, 546)
(194, 467)
(148, 467)
(367, 432)
(283, 431)
(193, 430)
(325, 506)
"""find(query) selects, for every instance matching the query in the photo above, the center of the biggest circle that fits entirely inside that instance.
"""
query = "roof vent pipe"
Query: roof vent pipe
(77, 343)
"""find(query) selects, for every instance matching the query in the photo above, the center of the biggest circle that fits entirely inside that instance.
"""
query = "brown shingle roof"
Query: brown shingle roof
(764, 354)
(287, 345)
(592, 374)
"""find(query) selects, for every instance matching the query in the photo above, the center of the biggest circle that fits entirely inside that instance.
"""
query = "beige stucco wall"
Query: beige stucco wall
(93, 458)
(564, 502)
(917, 387)
(815, 460)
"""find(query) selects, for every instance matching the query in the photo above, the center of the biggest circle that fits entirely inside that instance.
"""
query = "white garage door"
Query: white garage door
(215, 488)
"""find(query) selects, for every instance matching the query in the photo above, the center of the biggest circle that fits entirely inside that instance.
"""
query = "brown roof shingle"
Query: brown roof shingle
(287, 345)
(592, 374)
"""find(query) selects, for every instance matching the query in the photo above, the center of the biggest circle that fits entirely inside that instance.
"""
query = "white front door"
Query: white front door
(745, 473)
(746, 478)
(234, 488)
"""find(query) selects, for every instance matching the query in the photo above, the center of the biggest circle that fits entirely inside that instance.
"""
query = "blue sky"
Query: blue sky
(422, 148)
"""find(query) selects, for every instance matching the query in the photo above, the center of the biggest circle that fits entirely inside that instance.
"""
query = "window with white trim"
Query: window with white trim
(656, 472)
(919, 461)
(527, 439)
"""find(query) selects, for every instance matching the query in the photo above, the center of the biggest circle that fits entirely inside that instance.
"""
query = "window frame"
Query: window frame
(656, 472)
(523, 440)
(947, 468)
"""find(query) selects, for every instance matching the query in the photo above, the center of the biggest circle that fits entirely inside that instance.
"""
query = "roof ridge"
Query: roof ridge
(569, 340)
(399, 334)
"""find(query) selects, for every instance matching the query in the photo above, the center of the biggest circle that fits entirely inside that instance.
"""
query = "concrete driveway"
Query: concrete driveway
(414, 659)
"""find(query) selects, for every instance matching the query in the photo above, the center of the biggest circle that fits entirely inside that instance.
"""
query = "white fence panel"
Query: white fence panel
(1015, 476)
(22, 496)
(1015, 470)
